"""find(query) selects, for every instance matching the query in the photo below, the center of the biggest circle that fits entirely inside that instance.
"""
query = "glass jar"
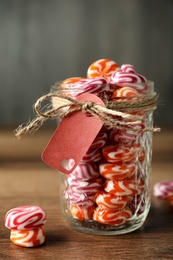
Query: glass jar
(108, 193)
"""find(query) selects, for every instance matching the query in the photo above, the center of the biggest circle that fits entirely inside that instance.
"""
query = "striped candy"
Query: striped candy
(81, 199)
(127, 136)
(69, 81)
(120, 153)
(92, 155)
(109, 201)
(128, 68)
(161, 189)
(102, 67)
(84, 172)
(126, 94)
(93, 86)
(112, 217)
(25, 218)
(100, 140)
(87, 187)
(117, 171)
(124, 188)
(170, 198)
(28, 238)
(81, 212)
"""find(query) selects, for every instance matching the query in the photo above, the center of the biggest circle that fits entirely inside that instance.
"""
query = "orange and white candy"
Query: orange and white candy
(69, 81)
(28, 238)
(110, 201)
(120, 153)
(112, 217)
(125, 94)
(117, 171)
(125, 187)
(82, 213)
(102, 67)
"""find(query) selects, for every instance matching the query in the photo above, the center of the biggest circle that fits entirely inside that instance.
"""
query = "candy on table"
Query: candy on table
(120, 153)
(82, 213)
(28, 238)
(25, 218)
(84, 172)
(170, 198)
(107, 200)
(100, 140)
(125, 187)
(93, 86)
(26, 224)
(161, 189)
(102, 67)
(92, 155)
(112, 217)
(117, 171)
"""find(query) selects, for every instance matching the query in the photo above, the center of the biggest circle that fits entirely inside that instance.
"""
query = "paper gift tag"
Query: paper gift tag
(73, 137)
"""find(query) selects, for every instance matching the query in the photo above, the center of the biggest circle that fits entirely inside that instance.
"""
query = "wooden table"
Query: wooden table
(25, 179)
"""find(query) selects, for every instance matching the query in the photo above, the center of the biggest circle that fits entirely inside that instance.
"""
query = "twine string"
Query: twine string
(111, 115)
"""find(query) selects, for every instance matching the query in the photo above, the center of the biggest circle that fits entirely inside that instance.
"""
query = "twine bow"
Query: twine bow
(111, 115)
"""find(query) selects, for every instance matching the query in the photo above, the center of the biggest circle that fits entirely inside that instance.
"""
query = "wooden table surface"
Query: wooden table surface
(25, 179)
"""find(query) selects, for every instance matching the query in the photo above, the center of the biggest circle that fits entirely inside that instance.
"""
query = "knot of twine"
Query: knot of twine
(111, 115)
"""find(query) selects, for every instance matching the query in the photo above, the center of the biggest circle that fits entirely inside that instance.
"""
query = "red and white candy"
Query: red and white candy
(87, 187)
(81, 199)
(25, 218)
(127, 136)
(100, 140)
(84, 172)
(163, 188)
(93, 86)
(112, 217)
(116, 171)
(92, 155)
(103, 68)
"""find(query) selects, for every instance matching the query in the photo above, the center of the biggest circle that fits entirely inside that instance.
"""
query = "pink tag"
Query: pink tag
(73, 137)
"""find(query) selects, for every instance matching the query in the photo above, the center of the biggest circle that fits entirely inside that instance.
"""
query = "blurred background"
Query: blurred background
(42, 41)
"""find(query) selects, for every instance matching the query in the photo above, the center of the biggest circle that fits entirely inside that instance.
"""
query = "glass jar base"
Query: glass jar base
(95, 228)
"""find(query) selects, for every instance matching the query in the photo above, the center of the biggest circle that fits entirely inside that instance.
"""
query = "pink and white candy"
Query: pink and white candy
(100, 140)
(25, 218)
(161, 189)
(87, 187)
(81, 199)
(93, 86)
(92, 155)
(84, 172)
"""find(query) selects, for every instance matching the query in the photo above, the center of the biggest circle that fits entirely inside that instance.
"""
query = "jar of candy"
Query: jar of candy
(108, 191)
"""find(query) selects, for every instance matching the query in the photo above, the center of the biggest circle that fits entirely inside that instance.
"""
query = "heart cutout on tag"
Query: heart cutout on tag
(68, 164)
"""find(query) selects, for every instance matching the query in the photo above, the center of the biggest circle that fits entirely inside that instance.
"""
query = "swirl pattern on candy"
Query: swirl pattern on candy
(25, 218)
(117, 171)
(93, 86)
(81, 199)
(28, 238)
(100, 140)
(120, 153)
(102, 67)
(81, 212)
(110, 201)
(124, 188)
(112, 217)
(84, 172)
(92, 155)
(128, 77)
(161, 189)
